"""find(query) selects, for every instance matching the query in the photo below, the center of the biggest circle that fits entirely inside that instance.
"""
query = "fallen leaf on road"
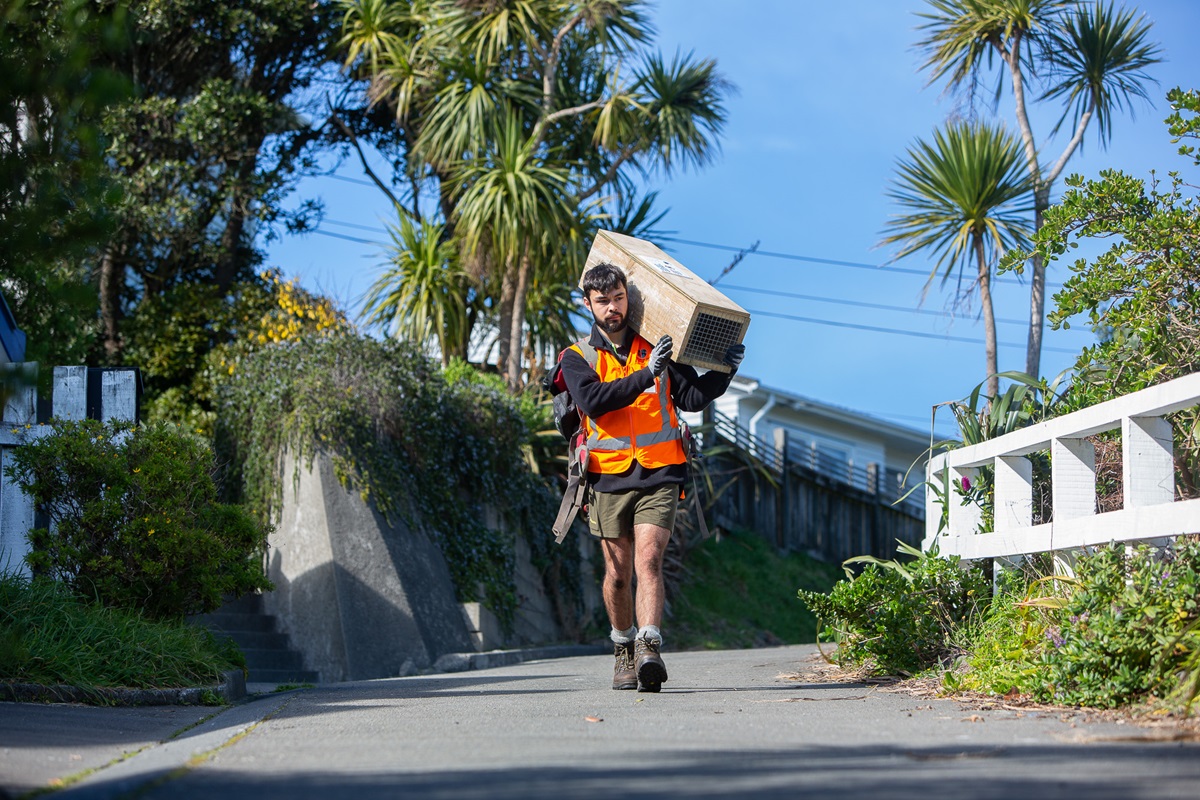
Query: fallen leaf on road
(593, 719)
(973, 718)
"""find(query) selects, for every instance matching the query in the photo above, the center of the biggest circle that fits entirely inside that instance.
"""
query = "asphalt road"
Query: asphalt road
(726, 724)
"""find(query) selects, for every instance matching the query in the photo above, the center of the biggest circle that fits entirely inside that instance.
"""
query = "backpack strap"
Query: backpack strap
(577, 461)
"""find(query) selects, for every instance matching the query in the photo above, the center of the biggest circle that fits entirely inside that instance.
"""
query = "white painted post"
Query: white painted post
(1073, 489)
(964, 519)
(118, 395)
(1013, 505)
(1073, 478)
(1147, 467)
(933, 508)
(1014, 493)
(1148, 462)
(69, 401)
(16, 509)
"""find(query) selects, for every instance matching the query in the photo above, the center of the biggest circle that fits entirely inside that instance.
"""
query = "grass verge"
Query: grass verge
(739, 592)
(49, 637)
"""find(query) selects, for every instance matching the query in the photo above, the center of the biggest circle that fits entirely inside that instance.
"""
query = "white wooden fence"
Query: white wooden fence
(69, 401)
(1149, 510)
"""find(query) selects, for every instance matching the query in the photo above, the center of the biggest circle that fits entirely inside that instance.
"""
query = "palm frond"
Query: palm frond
(1099, 60)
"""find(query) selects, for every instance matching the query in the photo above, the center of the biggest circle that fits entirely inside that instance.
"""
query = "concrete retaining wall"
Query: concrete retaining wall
(359, 597)
(362, 598)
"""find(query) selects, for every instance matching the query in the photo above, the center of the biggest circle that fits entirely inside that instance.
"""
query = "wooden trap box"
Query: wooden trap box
(666, 298)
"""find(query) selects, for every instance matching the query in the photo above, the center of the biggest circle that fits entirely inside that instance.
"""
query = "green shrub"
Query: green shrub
(1123, 634)
(436, 449)
(135, 521)
(898, 618)
(50, 637)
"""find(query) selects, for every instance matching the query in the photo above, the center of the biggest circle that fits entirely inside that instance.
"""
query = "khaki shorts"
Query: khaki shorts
(613, 514)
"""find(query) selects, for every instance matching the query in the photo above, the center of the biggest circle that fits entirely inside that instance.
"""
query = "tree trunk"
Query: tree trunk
(508, 291)
(989, 318)
(1037, 294)
(111, 280)
(516, 337)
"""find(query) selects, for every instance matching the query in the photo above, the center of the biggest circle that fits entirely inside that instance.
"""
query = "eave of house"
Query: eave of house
(894, 436)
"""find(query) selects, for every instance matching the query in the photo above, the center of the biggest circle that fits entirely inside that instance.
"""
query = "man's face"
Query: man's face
(609, 309)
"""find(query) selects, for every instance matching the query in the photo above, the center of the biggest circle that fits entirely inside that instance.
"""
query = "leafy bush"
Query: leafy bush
(50, 637)
(435, 449)
(135, 521)
(898, 618)
(1123, 633)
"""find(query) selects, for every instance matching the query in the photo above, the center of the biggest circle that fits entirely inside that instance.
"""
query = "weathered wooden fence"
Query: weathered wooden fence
(1149, 508)
(831, 511)
(78, 393)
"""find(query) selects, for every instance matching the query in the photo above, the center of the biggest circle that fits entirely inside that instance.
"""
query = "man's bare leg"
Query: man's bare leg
(649, 545)
(618, 581)
(618, 601)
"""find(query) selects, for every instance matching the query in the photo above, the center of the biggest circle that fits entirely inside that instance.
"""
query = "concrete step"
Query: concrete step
(251, 603)
(256, 639)
(230, 621)
(272, 659)
(282, 676)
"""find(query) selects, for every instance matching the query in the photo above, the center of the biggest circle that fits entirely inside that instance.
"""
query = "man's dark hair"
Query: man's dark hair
(602, 278)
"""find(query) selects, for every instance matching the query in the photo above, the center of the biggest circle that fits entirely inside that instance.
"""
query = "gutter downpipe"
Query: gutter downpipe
(758, 415)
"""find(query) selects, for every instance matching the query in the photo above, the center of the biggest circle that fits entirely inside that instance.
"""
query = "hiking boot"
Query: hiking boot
(651, 671)
(624, 675)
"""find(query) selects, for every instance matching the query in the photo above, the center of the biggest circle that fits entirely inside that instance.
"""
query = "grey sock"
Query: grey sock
(650, 633)
(623, 637)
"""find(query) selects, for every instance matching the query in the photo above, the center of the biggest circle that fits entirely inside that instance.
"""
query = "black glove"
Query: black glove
(660, 355)
(734, 355)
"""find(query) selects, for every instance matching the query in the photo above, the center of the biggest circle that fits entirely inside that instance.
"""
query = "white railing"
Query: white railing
(69, 401)
(1149, 510)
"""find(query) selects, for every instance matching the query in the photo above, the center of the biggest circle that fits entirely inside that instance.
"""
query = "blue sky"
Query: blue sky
(829, 97)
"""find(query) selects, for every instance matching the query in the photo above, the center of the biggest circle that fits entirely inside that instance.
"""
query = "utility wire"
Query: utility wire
(815, 260)
(877, 329)
(792, 317)
(861, 304)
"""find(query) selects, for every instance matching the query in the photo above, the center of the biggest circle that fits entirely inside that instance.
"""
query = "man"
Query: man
(636, 464)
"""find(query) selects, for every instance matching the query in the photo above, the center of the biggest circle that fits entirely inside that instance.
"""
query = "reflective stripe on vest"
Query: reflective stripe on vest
(647, 430)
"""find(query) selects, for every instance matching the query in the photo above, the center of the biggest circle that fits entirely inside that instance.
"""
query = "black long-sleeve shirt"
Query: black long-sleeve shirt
(689, 391)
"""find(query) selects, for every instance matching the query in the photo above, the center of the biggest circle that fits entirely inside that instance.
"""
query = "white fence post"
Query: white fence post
(69, 401)
(964, 519)
(1148, 461)
(16, 509)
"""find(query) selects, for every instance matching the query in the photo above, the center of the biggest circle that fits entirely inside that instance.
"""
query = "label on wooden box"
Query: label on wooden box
(668, 299)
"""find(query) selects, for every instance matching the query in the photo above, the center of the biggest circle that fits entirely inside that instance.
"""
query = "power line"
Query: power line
(345, 179)
(815, 260)
(791, 317)
(347, 238)
(860, 303)
(877, 329)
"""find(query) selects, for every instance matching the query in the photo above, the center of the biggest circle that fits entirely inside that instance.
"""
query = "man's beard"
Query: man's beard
(616, 326)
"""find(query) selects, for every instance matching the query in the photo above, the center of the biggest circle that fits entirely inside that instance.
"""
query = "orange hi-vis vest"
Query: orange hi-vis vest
(646, 430)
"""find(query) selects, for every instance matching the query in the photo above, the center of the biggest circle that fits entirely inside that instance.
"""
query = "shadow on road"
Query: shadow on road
(1105, 772)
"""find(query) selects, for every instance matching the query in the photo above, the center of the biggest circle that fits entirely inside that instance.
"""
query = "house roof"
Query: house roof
(12, 338)
(898, 435)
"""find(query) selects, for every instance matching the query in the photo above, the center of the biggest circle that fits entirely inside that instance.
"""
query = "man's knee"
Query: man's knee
(650, 564)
